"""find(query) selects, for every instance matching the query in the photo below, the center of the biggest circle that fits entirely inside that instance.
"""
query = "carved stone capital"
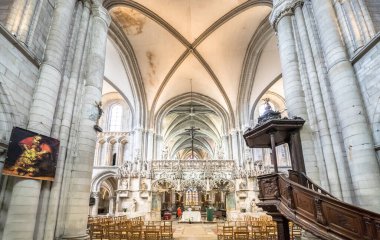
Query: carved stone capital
(86, 3)
(283, 8)
(95, 194)
(102, 13)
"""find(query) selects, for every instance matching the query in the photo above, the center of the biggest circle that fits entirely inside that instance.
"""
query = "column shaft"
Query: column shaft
(295, 99)
(26, 193)
(324, 134)
(357, 138)
(67, 120)
(337, 141)
(77, 204)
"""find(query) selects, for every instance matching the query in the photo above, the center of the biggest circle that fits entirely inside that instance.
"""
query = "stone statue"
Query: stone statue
(243, 185)
(124, 184)
(254, 207)
(100, 110)
(165, 153)
(144, 187)
(134, 206)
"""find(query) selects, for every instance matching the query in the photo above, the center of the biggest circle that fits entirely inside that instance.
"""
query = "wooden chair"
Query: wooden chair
(166, 232)
(96, 231)
(152, 235)
(135, 235)
(242, 228)
(295, 232)
(271, 232)
(228, 232)
(124, 230)
(259, 235)
(113, 233)
(241, 235)
(219, 230)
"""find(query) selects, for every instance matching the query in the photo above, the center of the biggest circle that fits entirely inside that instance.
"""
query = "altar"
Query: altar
(192, 216)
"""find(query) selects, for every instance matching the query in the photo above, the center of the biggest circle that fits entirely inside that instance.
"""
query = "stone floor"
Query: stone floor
(195, 231)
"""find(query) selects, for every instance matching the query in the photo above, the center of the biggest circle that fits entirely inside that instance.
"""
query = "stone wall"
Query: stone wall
(374, 10)
(18, 77)
(4, 10)
(368, 73)
(40, 33)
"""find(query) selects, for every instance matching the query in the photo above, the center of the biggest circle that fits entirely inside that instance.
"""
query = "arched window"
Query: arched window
(115, 115)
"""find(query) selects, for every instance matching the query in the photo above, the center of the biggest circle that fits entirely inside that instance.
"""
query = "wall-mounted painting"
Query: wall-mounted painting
(31, 155)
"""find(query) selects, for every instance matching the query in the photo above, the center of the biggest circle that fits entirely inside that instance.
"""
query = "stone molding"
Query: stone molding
(102, 13)
(283, 8)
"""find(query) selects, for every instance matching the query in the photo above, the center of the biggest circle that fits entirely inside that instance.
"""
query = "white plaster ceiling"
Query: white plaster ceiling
(191, 17)
(221, 52)
(107, 88)
(202, 41)
(225, 49)
(115, 73)
(269, 68)
(191, 70)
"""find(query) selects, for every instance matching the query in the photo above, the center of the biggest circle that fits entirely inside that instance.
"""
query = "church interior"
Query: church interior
(190, 119)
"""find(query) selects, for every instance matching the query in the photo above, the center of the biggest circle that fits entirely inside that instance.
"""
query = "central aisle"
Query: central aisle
(195, 231)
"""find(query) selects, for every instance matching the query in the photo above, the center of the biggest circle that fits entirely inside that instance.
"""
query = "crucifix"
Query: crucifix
(192, 131)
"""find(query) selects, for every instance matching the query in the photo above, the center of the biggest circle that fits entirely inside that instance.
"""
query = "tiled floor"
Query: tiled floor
(195, 231)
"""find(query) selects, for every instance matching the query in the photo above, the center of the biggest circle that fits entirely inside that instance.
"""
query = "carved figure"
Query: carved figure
(144, 186)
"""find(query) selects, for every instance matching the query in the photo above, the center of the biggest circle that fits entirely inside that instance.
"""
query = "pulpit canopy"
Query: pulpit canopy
(259, 136)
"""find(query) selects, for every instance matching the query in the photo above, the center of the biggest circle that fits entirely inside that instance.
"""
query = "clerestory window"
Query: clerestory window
(115, 118)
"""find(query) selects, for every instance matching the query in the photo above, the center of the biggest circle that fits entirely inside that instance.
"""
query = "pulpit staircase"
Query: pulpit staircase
(296, 198)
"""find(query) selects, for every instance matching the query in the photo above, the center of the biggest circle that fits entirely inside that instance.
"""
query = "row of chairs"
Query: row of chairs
(117, 228)
(253, 230)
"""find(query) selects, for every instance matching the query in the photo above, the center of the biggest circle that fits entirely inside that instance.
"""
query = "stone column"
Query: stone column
(150, 138)
(78, 194)
(235, 147)
(25, 196)
(226, 154)
(127, 152)
(26, 22)
(111, 205)
(104, 157)
(110, 147)
(324, 133)
(95, 207)
(15, 15)
(294, 95)
(118, 203)
(364, 167)
(354, 29)
(115, 150)
(158, 152)
(335, 133)
(120, 152)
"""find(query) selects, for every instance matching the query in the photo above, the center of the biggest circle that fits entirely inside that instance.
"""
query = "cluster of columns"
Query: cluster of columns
(106, 148)
(320, 86)
(112, 205)
(63, 107)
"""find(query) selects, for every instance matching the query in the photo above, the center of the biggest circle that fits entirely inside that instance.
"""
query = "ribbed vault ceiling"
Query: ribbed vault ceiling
(205, 42)
(178, 40)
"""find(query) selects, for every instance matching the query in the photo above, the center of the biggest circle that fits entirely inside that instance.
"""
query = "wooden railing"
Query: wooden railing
(306, 204)
(305, 181)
